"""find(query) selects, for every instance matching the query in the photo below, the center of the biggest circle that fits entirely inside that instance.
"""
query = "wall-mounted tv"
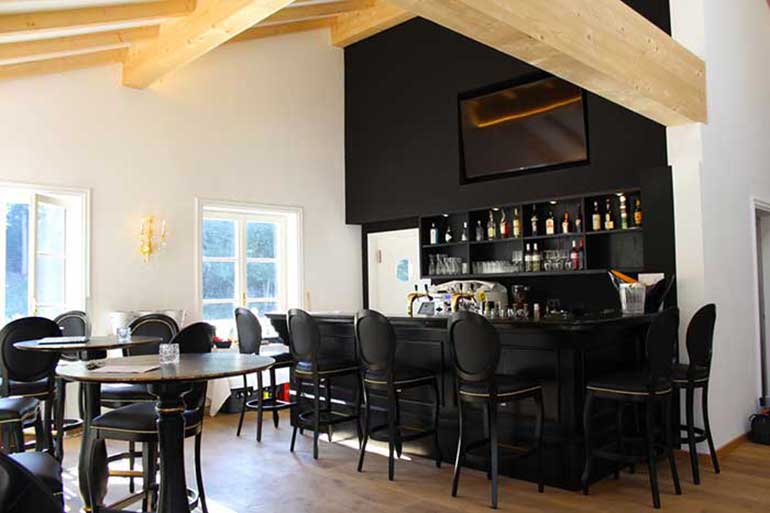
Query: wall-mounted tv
(509, 129)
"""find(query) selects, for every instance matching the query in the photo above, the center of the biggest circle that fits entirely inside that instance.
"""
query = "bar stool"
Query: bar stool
(475, 347)
(651, 387)
(700, 338)
(311, 368)
(249, 342)
(377, 356)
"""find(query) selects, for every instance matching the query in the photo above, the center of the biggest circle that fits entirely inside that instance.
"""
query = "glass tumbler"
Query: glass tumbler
(168, 353)
(123, 333)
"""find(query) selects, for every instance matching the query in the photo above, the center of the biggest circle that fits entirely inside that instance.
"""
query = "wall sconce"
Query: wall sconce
(149, 241)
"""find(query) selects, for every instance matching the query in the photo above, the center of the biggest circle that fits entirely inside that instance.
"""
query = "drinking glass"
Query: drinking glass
(123, 333)
(168, 353)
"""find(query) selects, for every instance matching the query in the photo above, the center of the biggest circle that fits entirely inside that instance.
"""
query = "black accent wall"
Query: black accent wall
(402, 141)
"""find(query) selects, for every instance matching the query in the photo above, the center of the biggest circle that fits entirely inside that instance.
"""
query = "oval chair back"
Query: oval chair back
(376, 341)
(249, 331)
(700, 336)
(151, 325)
(304, 336)
(26, 366)
(75, 323)
(22, 492)
(475, 347)
(660, 342)
(197, 338)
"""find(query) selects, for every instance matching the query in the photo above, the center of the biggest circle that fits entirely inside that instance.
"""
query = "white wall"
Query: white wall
(734, 39)
(259, 121)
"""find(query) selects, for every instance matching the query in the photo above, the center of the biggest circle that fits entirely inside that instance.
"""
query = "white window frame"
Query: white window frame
(288, 258)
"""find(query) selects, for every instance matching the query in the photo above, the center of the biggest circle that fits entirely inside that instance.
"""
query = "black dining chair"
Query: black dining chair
(15, 414)
(476, 349)
(22, 491)
(136, 423)
(651, 387)
(312, 369)
(695, 375)
(376, 342)
(27, 373)
(250, 342)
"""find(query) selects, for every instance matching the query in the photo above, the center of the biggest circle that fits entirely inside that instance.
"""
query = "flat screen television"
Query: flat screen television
(536, 125)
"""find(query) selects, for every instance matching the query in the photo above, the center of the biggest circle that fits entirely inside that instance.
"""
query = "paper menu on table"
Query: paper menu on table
(126, 369)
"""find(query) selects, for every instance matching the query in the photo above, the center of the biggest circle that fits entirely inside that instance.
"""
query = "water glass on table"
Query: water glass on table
(168, 353)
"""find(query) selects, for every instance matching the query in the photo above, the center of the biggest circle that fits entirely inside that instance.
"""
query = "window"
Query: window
(249, 256)
(43, 251)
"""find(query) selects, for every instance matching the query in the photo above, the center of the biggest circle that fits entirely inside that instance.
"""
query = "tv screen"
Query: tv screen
(535, 125)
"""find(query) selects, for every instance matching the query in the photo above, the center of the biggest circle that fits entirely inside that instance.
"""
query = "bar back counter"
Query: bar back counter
(563, 354)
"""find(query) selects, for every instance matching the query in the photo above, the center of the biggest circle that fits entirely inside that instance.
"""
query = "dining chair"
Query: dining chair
(22, 491)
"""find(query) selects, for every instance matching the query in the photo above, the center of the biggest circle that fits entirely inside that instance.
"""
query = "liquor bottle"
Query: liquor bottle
(536, 260)
(638, 213)
(609, 223)
(596, 219)
(623, 213)
(533, 220)
(433, 234)
(574, 256)
(565, 222)
(579, 219)
(516, 224)
(491, 227)
(527, 259)
(582, 250)
(464, 236)
(505, 230)
(549, 228)
(479, 230)
(448, 233)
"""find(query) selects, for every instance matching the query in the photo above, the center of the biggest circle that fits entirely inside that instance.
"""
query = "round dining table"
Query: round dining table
(168, 383)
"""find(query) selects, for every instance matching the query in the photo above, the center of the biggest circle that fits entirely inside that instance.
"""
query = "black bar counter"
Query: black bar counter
(563, 354)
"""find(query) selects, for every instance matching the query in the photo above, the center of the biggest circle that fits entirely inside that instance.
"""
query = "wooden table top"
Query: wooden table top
(191, 367)
(92, 344)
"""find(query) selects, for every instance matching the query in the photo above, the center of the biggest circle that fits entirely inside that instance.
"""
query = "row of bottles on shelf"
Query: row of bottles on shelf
(550, 260)
(501, 228)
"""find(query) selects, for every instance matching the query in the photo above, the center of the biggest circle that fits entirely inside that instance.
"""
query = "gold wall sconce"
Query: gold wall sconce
(150, 241)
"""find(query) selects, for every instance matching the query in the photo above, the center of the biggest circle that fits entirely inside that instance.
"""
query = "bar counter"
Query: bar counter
(561, 353)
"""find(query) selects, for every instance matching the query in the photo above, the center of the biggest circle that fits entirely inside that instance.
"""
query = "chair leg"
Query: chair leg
(39, 433)
(487, 436)
(652, 467)
(297, 383)
(459, 457)
(436, 415)
(243, 405)
(367, 419)
(357, 409)
(260, 406)
(61, 391)
(199, 473)
(392, 426)
(399, 442)
(17, 436)
(316, 415)
(493, 449)
(619, 436)
(587, 434)
(328, 406)
(707, 427)
(147, 466)
(274, 395)
(47, 421)
(690, 414)
(668, 407)
(539, 441)
(131, 460)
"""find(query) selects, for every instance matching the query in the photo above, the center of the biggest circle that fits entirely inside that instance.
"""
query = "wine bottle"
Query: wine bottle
(464, 236)
(533, 220)
(549, 223)
(536, 260)
(609, 223)
(527, 259)
(579, 219)
(504, 229)
(596, 219)
(638, 213)
(491, 227)
(479, 230)
(433, 234)
(448, 233)
(565, 222)
(516, 224)
(623, 213)
(574, 256)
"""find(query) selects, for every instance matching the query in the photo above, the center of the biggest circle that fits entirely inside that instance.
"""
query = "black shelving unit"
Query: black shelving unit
(616, 248)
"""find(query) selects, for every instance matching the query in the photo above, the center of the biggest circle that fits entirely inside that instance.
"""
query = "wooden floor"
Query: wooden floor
(243, 476)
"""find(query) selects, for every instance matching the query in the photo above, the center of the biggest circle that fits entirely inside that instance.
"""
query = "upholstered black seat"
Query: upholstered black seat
(139, 419)
(44, 467)
(401, 376)
(37, 388)
(21, 491)
(327, 366)
(126, 393)
(631, 383)
(17, 408)
(682, 373)
(280, 358)
(507, 386)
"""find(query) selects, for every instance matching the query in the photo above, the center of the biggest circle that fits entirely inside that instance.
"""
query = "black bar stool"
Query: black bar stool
(249, 342)
(475, 347)
(700, 338)
(377, 355)
(651, 387)
(310, 368)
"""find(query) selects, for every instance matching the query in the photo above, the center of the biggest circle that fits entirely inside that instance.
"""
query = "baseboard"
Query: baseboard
(722, 452)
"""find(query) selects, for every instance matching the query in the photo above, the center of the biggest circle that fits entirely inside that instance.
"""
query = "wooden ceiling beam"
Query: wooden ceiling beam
(316, 10)
(38, 49)
(41, 20)
(276, 29)
(603, 46)
(61, 64)
(214, 22)
(354, 26)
